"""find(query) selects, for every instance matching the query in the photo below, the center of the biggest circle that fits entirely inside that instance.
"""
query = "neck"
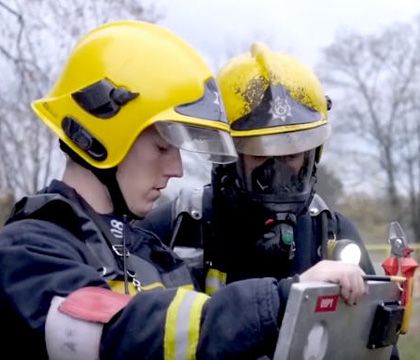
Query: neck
(88, 187)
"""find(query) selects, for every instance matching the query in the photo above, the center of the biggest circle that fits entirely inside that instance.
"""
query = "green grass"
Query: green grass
(409, 344)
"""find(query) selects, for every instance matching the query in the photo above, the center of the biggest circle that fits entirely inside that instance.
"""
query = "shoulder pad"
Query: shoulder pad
(317, 206)
(190, 201)
(28, 205)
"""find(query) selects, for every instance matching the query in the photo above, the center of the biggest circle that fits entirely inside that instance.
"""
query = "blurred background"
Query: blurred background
(366, 53)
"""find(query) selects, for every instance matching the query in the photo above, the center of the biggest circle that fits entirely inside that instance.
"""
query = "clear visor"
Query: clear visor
(213, 144)
(284, 143)
(277, 175)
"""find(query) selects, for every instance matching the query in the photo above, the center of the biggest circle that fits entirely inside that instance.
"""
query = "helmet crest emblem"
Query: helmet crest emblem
(280, 108)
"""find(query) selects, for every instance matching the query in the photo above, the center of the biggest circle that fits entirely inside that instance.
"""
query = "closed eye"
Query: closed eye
(162, 149)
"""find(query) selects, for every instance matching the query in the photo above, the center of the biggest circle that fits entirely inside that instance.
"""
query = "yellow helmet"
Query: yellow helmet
(125, 76)
(275, 105)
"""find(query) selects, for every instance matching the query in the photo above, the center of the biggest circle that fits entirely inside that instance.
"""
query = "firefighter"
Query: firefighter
(80, 279)
(261, 215)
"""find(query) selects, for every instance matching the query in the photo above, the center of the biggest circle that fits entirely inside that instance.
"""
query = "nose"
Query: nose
(174, 164)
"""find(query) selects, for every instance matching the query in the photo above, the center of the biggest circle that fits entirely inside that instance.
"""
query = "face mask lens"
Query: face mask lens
(274, 175)
(285, 175)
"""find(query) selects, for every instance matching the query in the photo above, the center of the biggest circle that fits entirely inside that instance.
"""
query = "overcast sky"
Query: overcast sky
(219, 28)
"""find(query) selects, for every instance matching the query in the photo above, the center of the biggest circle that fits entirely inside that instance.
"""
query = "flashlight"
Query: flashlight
(344, 250)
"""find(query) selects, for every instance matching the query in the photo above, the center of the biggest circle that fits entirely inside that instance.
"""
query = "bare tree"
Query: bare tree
(329, 186)
(35, 37)
(376, 80)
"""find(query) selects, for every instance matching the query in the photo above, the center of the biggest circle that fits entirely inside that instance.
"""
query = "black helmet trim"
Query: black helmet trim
(209, 106)
(277, 108)
(102, 99)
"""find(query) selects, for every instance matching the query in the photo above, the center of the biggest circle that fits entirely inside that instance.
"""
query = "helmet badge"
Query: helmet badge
(280, 108)
(216, 98)
(217, 101)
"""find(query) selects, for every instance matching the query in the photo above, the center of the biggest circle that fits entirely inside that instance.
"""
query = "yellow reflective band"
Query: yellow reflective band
(182, 325)
(278, 129)
(170, 325)
(210, 290)
(118, 286)
(215, 280)
(217, 274)
(187, 287)
(152, 286)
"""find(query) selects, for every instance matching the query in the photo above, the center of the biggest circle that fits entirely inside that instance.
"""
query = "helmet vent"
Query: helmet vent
(83, 139)
(102, 99)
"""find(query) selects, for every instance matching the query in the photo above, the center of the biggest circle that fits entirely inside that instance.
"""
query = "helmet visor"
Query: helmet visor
(215, 145)
(278, 175)
(282, 143)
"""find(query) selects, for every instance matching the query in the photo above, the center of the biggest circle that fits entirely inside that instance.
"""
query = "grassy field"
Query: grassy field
(409, 344)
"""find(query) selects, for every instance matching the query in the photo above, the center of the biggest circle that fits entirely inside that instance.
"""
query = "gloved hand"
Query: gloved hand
(348, 276)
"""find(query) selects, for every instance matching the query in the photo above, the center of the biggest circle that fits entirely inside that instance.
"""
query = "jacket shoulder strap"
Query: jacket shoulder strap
(59, 210)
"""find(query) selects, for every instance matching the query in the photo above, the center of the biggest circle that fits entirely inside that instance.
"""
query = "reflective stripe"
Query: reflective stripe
(182, 325)
(195, 320)
(152, 286)
(215, 280)
(69, 338)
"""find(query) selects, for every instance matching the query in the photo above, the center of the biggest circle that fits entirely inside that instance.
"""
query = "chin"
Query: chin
(143, 211)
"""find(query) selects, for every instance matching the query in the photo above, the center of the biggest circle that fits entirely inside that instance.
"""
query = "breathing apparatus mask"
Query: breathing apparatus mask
(280, 188)
(284, 181)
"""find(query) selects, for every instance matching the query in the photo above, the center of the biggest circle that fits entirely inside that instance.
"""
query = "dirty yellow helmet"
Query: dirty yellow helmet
(275, 105)
(125, 76)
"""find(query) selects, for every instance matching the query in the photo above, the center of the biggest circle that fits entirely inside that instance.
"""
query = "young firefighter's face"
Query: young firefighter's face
(146, 170)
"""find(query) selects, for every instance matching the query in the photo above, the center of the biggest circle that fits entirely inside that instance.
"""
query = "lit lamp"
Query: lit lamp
(344, 250)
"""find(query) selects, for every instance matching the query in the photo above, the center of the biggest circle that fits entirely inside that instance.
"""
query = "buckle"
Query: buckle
(120, 251)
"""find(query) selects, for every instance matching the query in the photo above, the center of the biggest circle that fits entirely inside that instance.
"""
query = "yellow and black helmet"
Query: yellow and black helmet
(275, 105)
(125, 76)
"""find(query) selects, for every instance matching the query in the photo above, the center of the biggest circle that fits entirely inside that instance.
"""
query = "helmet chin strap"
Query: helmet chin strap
(107, 177)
